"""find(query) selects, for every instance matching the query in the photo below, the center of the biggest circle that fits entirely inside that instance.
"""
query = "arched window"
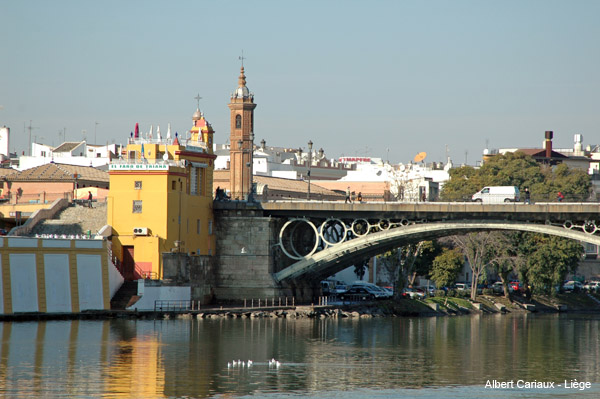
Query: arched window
(238, 121)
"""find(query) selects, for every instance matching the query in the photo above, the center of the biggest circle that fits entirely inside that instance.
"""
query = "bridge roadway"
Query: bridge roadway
(338, 234)
(437, 211)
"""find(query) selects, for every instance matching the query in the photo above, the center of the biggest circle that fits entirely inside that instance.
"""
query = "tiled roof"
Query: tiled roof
(7, 171)
(540, 152)
(67, 146)
(59, 172)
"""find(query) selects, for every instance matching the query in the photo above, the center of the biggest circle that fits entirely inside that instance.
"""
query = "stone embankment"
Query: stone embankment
(74, 220)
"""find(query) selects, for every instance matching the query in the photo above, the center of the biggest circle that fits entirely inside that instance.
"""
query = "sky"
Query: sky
(386, 79)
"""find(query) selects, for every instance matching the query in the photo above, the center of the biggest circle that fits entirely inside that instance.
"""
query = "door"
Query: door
(128, 263)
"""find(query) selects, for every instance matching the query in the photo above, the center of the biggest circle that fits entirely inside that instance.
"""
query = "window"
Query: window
(137, 206)
(210, 227)
(173, 185)
(198, 226)
(238, 121)
(194, 181)
(137, 185)
(200, 190)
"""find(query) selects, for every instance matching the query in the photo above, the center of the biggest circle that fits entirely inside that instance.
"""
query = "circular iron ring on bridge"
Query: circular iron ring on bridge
(360, 227)
(328, 228)
(590, 226)
(384, 224)
(568, 224)
(293, 231)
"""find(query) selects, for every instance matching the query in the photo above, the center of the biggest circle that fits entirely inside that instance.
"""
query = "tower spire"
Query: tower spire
(242, 78)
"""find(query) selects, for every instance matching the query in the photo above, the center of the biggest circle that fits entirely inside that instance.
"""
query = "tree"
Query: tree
(404, 264)
(506, 258)
(477, 248)
(391, 261)
(549, 259)
(517, 169)
(361, 268)
(540, 270)
(446, 266)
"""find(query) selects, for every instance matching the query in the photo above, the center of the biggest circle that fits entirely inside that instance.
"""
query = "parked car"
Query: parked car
(412, 293)
(374, 287)
(514, 285)
(461, 286)
(498, 287)
(363, 292)
(341, 288)
(572, 285)
(593, 286)
(427, 290)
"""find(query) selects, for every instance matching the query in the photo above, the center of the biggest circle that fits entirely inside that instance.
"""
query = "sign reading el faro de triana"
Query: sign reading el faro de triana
(137, 166)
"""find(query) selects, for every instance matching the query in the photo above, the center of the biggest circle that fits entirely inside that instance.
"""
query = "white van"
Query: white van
(497, 194)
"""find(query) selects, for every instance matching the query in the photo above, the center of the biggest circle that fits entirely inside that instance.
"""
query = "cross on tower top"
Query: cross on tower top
(197, 98)
(241, 57)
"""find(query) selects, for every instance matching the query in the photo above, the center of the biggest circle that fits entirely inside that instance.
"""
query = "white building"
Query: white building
(4, 143)
(70, 153)
(287, 163)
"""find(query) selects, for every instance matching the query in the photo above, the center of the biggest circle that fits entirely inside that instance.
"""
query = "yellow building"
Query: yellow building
(160, 200)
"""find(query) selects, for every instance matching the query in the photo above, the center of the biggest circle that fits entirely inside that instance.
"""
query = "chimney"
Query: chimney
(548, 145)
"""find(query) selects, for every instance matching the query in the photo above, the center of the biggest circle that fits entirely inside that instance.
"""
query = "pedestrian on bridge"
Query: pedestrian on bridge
(527, 196)
(348, 195)
(560, 197)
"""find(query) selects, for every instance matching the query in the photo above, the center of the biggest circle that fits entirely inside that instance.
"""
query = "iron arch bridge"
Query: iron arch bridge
(323, 240)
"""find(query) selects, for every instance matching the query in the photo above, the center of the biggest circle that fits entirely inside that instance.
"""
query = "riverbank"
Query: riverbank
(429, 307)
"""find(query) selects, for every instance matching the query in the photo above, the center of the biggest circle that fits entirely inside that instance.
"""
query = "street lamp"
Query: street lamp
(240, 144)
(310, 144)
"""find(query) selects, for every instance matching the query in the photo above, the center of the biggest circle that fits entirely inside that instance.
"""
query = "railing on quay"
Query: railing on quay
(175, 305)
(252, 303)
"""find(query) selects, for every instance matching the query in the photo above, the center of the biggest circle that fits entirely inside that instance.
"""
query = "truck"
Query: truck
(497, 195)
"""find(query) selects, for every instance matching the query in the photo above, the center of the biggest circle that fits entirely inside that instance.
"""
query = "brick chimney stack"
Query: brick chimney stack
(548, 145)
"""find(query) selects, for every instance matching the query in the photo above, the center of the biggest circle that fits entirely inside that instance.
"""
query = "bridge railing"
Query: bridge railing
(543, 197)
(535, 197)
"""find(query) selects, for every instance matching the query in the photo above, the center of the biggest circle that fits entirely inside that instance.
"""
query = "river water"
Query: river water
(319, 358)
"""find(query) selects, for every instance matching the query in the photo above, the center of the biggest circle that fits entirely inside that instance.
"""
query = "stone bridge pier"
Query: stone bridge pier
(248, 257)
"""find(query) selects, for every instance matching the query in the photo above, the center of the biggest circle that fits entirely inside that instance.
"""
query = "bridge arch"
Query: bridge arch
(338, 257)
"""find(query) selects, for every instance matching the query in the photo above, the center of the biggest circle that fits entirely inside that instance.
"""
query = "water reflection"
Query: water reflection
(188, 358)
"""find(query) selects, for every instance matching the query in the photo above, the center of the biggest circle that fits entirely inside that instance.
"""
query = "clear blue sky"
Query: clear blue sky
(355, 77)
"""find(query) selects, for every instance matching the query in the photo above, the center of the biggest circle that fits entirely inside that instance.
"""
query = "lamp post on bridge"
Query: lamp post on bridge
(310, 146)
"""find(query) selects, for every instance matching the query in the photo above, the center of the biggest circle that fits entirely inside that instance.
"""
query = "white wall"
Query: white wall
(58, 283)
(149, 294)
(23, 282)
(89, 276)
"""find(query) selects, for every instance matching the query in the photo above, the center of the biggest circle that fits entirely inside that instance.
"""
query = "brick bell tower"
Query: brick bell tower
(241, 139)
